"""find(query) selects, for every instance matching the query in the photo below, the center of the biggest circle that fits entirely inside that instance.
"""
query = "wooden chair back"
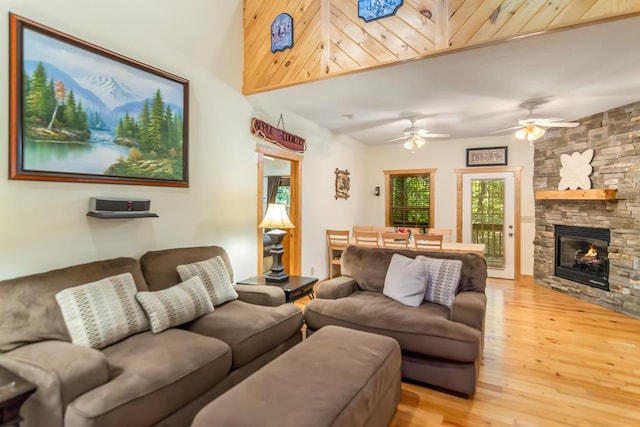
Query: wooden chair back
(367, 239)
(384, 229)
(362, 228)
(395, 240)
(337, 241)
(428, 241)
(444, 232)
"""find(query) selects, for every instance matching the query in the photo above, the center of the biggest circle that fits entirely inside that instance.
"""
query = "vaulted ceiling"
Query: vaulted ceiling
(576, 72)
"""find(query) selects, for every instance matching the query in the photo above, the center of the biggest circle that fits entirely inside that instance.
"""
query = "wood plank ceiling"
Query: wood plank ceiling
(330, 39)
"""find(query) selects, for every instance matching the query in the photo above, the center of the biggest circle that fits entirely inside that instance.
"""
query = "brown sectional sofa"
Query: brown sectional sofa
(440, 346)
(145, 379)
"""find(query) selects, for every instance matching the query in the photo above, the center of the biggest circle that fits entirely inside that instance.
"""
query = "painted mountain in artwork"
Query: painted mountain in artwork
(112, 92)
(134, 108)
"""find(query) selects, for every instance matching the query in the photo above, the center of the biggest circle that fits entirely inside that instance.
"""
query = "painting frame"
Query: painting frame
(155, 154)
(343, 183)
(487, 156)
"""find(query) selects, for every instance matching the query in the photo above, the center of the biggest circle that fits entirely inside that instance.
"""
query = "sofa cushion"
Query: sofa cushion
(100, 313)
(29, 311)
(444, 276)
(406, 280)
(175, 305)
(159, 267)
(152, 376)
(213, 274)
(424, 330)
(251, 330)
(368, 267)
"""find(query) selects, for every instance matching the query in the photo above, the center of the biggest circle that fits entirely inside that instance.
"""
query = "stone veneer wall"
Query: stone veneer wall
(614, 137)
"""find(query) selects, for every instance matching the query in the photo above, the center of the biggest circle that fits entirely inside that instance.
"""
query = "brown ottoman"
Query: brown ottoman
(336, 377)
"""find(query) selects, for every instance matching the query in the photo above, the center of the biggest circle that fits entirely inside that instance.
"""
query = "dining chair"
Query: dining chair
(337, 241)
(395, 240)
(362, 228)
(444, 232)
(428, 241)
(384, 229)
(368, 239)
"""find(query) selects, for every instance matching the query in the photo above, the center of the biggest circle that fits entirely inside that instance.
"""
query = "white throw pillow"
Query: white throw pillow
(100, 313)
(175, 305)
(406, 280)
(215, 277)
(444, 276)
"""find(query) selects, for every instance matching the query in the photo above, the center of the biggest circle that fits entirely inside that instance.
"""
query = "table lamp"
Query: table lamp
(276, 218)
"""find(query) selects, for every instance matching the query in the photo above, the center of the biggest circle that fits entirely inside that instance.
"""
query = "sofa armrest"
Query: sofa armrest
(62, 371)
(338, 287)
(271, 296)
(469, 308)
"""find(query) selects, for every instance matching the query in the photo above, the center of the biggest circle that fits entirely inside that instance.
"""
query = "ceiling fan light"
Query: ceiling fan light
(408, 144)
(538, 132)
(521, 133)
(419, 142)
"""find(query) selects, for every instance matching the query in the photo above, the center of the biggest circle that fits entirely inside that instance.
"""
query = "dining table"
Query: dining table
(451, 247)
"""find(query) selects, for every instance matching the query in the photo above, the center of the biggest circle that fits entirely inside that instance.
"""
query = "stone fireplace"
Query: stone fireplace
(615, 138)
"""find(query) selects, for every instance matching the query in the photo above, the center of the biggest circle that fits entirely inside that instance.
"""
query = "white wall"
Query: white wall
(446, 156)
(43, 225)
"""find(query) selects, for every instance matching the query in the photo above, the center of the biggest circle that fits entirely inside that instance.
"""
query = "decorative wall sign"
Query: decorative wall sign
(80, 113)
(488, 156)
(575, 171)
(282, 33)
(343, 184)
(277, 136)
(370, 10)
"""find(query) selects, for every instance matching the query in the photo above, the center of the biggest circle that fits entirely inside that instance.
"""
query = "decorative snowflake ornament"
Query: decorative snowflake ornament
(575, 171)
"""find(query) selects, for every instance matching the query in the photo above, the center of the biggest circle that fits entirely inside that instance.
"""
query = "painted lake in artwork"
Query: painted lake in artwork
(74, 157)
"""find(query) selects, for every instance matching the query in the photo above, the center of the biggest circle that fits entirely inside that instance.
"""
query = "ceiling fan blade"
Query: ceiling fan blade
(506, 130)
(397, 139)
(436, 135)
(561, 124)
(549, 120)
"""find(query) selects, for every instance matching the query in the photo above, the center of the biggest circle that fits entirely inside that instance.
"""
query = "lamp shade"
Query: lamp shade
(276, 217)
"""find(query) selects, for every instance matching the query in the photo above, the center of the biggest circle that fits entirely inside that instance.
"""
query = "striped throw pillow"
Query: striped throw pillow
(175, 305)
(444, 275)
(215, 277)
(101, 313)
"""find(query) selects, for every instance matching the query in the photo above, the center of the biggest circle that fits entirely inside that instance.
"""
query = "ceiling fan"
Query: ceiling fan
(533, 126)
(415, 136)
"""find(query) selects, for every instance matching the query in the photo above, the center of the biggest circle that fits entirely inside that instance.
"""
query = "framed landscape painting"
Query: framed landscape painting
(80, 113)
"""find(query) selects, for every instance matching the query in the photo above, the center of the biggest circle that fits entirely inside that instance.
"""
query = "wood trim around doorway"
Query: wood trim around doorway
(295, 209)
(517, 213)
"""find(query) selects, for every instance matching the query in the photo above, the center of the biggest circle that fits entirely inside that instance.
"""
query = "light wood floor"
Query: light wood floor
(549, 360)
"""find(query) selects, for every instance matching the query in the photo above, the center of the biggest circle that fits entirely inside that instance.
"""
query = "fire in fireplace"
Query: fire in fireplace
(582, 255)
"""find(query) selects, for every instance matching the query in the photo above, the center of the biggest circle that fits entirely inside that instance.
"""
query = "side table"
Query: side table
(294, 288)
(14, 390)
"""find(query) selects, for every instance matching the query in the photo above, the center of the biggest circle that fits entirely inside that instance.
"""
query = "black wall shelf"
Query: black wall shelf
(124, 214)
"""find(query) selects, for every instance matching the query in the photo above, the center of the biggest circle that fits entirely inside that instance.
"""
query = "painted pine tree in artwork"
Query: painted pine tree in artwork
(158, 128)
(45, 106)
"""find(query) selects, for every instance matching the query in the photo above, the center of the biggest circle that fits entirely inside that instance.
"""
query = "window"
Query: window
(284, 190)
(410, 198)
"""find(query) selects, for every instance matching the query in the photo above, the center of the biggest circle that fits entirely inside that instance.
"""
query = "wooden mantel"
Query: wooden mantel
(594, 194)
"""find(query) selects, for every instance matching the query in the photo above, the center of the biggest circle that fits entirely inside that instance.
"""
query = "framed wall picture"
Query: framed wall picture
(488, 156)
(370, 10)
(80, 113)
(343, 184)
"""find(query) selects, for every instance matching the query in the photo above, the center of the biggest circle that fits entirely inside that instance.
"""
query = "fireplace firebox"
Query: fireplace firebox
(582, 255)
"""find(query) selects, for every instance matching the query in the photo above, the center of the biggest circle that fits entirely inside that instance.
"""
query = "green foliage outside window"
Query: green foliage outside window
(410, 201)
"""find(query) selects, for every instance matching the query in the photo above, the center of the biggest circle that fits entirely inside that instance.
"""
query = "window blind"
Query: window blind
(410, 200)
